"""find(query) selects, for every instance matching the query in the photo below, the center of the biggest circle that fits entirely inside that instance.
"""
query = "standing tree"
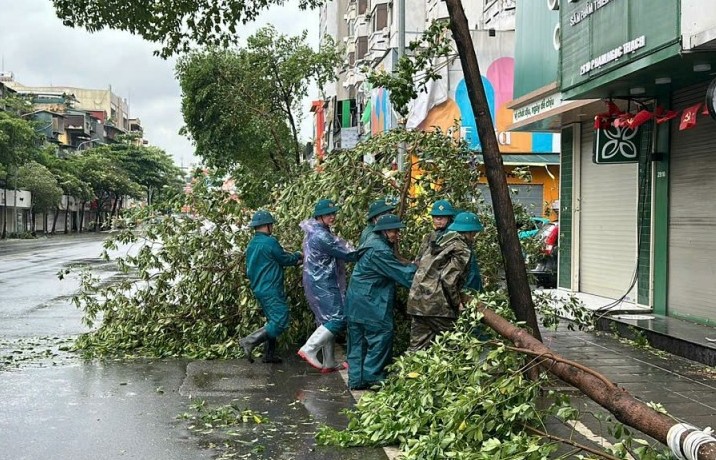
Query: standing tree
(41, 183)
(242, 106)
(17, 142)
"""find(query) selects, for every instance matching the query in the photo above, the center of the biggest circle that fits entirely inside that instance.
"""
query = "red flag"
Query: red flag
(688, 118)
(662, 116)
(622, 120)
(602, 121)
(614, 110)
(639, 119)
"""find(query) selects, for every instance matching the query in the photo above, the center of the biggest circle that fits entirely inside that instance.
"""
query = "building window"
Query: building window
(362, 47)
(380, 17)
(362, 6)
(352, 58)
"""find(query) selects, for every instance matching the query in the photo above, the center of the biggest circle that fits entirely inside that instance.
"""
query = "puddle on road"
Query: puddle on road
(291, 402)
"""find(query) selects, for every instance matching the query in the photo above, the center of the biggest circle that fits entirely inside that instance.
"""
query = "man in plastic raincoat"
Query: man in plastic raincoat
(434, 301)
(324, 283)
(265, 260)
(376, 209)
(369, 304)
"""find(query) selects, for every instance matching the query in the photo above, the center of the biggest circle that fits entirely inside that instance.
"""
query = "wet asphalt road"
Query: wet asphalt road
(54, 405)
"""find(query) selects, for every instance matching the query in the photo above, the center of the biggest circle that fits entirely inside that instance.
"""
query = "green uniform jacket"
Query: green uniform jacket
(442, 272)
(474, 278)
(371, 291)
(366, 233)
(265, 259)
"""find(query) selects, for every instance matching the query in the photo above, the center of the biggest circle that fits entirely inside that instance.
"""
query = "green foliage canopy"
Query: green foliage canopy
(175, 25)
(37, 179)
(18, 141)
(242, 106)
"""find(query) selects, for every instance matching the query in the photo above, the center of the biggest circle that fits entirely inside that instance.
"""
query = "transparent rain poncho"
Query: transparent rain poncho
(324, 270)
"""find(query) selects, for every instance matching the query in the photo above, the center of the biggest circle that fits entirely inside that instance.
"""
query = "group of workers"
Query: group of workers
(437, 279)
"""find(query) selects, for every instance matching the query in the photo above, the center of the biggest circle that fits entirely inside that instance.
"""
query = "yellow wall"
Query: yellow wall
(547, 176)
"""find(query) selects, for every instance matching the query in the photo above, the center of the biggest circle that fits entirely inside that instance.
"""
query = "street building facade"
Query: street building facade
(72, 119)
(372, 40)
(630, 87)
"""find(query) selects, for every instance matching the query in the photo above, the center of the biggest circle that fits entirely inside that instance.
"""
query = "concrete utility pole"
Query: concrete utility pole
(515, 272)
(401, 53)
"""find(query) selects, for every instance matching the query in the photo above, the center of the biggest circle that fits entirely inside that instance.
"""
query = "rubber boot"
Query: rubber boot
(329, 358)
(309, 351)
(270, 353)
(253, 340)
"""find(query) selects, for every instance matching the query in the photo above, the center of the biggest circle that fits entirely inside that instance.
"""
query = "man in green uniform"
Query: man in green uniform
(442, 213)
(376, 209)
(369, 304)
(434, 301)
(265, 259)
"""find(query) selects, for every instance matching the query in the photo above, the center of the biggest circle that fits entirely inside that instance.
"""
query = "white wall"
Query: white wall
(698, 22)
(23, 200)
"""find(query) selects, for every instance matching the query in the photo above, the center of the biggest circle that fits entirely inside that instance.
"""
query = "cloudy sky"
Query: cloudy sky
(40, 51)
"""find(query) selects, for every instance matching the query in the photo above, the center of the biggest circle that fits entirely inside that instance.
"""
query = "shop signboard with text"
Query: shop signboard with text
(598, 36)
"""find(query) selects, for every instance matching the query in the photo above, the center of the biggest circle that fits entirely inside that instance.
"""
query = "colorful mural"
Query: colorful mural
(498, 89)
(498, 72)
(381, 112)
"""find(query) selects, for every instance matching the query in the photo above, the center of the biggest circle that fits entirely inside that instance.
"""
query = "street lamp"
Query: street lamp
(88, 142)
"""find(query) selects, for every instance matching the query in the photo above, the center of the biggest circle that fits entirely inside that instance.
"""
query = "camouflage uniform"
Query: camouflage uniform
(434, 298)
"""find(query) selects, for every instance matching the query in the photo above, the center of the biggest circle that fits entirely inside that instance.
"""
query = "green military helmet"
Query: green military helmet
(442, 208)
(466, 222)
(260, 218)
(388, 222)
(379, 207)
(325, 207)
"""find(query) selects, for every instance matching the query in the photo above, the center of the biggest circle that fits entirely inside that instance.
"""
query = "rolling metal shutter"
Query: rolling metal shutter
(608, 236)
(692, 213)
(531, 196)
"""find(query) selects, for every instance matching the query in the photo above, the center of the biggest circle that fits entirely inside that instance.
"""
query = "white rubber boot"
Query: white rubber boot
(309, 351)
(329, 358)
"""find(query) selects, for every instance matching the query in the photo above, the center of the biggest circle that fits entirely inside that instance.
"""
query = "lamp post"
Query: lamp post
(88, 142)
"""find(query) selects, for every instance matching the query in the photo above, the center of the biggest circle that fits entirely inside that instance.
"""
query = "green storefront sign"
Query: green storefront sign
(599, 36)
(616, 145)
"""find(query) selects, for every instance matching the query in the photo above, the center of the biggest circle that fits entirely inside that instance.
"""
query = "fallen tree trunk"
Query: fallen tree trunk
(627, 409)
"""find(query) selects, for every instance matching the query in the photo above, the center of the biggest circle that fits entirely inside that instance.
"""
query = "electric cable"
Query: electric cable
(642, 196)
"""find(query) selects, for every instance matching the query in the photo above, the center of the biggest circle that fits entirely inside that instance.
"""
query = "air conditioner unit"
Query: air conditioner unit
(553, 4)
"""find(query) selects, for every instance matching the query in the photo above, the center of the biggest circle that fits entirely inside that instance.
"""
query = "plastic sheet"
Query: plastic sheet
(324, 270)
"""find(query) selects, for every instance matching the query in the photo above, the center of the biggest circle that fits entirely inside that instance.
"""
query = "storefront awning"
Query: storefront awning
(527, 160)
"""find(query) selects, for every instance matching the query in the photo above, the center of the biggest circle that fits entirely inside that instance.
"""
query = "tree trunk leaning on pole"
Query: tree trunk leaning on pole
(598, 388)
(517, 285)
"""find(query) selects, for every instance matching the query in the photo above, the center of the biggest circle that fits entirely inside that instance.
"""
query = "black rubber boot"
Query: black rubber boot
(270, 352)
(252, 341)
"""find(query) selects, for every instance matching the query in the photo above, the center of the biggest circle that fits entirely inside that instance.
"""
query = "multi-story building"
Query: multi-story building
(630, 86)
(73, 119)
(372, 41)
(89, 116)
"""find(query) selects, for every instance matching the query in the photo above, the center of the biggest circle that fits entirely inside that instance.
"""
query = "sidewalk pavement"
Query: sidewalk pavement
(686, 389)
